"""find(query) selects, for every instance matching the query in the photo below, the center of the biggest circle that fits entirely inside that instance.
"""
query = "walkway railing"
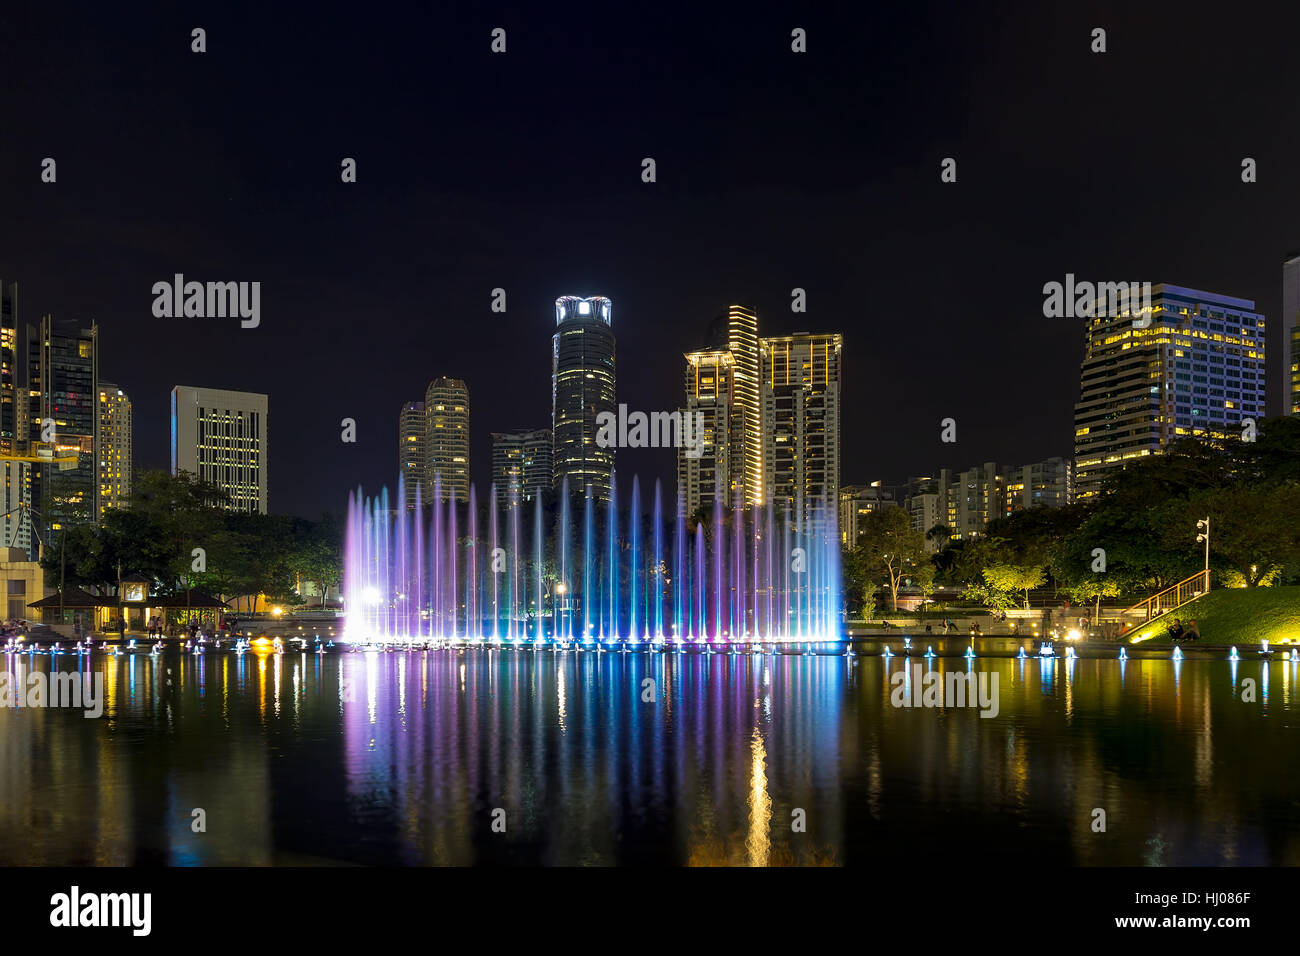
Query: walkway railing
(1171, 597)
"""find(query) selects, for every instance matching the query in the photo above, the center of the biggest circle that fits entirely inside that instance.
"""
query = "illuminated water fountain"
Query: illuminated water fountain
(587, 574)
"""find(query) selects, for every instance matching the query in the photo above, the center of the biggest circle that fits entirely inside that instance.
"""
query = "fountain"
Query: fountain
(745, 575)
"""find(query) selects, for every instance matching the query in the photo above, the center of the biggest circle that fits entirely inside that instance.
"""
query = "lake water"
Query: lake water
(424, 757)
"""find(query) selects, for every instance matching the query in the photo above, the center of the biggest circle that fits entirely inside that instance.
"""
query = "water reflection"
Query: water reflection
(607, 758)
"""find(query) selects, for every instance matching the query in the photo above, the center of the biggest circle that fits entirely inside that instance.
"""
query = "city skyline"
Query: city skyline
(356, 279)
(713, 436)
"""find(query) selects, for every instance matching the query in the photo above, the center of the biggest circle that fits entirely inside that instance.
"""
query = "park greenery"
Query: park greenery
(246, 557)
(1236, 616)
(1135, 538)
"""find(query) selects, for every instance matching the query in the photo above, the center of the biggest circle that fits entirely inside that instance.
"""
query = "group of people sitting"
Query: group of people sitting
(1178, 633)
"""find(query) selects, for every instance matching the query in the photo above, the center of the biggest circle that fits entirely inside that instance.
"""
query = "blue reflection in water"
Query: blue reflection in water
(401, 757)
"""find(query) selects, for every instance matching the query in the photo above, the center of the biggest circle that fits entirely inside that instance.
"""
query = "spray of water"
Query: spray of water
(736, 574)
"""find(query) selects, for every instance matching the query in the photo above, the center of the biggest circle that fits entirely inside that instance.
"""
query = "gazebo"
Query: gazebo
(101, 612)
(72, 599)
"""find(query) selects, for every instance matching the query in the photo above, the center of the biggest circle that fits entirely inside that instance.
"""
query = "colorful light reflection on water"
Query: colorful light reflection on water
(401, 757)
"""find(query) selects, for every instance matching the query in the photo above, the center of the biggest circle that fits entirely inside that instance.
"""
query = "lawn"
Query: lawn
(1240, 616)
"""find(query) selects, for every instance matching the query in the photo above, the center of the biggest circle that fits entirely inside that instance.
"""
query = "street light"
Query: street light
(1204, 525)
(560, 589)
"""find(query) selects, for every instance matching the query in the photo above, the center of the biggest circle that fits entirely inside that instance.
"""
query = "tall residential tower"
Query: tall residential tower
(801, 413)
(410, 451)
(521, 466)
(114, 448)
(742, 342)
(714, 469)
(446, 440)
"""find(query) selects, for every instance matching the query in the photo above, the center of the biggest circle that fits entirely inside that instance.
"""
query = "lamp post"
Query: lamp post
(560, 589)
(1204, 525)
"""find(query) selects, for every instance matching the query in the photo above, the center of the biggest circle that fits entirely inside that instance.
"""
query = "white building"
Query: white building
(221, 437)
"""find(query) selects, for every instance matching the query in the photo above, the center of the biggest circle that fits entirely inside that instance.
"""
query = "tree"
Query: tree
(317, 553)
(1254, 530)
(940, 534)
(1092, 590)
(964, 561)
(989, 597)
(1014, 577)
(890, 547)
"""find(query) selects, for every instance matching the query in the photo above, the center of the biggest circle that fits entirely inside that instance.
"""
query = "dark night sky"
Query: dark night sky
(522, 171)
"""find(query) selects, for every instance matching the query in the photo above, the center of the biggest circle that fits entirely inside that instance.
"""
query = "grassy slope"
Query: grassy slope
(1241, 616)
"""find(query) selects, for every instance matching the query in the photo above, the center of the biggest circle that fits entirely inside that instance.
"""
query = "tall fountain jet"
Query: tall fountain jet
(587, 572)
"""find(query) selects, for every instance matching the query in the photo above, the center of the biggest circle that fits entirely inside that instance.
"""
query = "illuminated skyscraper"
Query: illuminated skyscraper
(114, 448)
(800, 392)
(15, 476)
(717, 471)
(582, 387)
(446, 440)
(742, 341)
(63, 377)
(521, 465)
(9, 355)
(220, 436)
(410, 451)
(1196, 370)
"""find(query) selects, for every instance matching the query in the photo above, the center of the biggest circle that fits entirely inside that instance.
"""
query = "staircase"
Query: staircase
(1170, 598)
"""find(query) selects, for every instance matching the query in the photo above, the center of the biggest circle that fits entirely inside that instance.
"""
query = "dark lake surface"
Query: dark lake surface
(408, 758)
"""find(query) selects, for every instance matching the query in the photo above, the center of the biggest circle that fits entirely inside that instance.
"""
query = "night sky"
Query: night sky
(523, 171)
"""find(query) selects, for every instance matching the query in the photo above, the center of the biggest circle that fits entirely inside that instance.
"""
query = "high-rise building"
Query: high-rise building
(722, 386)
(114, 448)
(800, 393)
(928, 512)
(1048, 483)
(714, 469)
(15, 503)
(16, 495)
(1289, 357)
(742, 343)
(446, 440)
(10, 386)
(410, 451)
(521, 466)
(1196, 370)
(63, 388)
(858, 501)
(582, 387)
(220, 436)
(971, 499)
